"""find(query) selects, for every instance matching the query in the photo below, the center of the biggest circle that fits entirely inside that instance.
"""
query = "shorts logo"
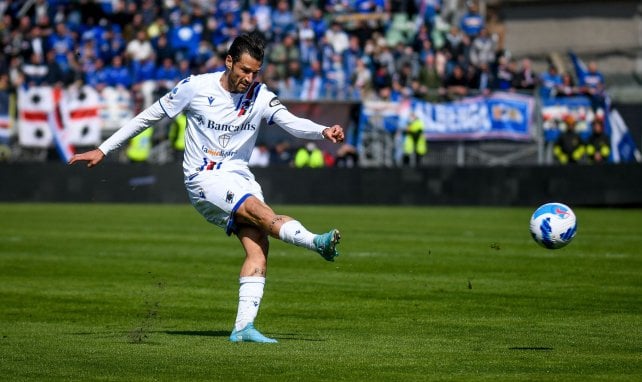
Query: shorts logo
(229, 198)
(223, 140)
(274, 102)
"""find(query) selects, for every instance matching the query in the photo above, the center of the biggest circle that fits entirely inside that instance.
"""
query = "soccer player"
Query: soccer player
(224, 111)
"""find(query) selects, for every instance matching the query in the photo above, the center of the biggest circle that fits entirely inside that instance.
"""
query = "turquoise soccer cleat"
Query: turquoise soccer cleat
(326, 244)
(250, 334)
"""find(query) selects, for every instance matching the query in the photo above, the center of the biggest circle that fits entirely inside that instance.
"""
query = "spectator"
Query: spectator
(482, 49)
(456, 84)
(98, 77)
(55, 76)
(262, 12)
(506, 72)
(228, 29)
(260, 156)
(157, 28)
(184, 38)
(569, 147)
(471, 23)
(351, 55)
(62, 42)
(36, 42)
(167, 76)
(347, 156)
(303, 9)
(319, 25)
(403, 80)
(567, 86)
(337, 37)
(429, 82)
(290, 86)
(313, 84)
(163, 50)
(550, 82)
(453, 45)
(361, 81)
(139, 49)
(526, 78)
(283, 21)
(118, 75)
(335, 84)
(309, 51)
(281, 155)
(34, 70)
(309, 155)
(592, 84)
(598, 148)
(144, 73)
(486, 79)
(282, 54)
(592, 81)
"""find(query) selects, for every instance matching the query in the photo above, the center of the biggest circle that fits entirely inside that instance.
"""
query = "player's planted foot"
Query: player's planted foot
(326, 244)
(250, 334)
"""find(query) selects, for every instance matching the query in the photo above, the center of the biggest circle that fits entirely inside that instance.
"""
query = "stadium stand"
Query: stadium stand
(362, 51)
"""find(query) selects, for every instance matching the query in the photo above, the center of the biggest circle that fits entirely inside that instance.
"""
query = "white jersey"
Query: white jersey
(222, 127)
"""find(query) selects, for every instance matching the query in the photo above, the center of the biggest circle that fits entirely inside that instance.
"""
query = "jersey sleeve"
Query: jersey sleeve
(133, 127)
(179, 97)
(277, 113)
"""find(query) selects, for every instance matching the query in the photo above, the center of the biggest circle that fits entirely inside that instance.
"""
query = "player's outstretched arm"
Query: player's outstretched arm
(334, 134)
(92, 157)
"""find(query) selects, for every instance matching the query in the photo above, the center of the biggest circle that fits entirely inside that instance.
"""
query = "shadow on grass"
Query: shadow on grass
(226, 333)
(201, 333)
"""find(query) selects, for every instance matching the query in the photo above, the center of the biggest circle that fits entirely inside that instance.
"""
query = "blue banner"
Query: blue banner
(498, 116)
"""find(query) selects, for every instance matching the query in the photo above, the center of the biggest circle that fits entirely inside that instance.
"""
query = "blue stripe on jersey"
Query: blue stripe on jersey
(164, 111)
(271, 121)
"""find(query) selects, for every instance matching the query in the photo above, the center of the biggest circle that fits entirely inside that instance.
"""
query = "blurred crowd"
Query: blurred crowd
(435, 50)
(317, 49)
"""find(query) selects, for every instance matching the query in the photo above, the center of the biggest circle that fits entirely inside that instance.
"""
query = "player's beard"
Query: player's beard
(235, 83)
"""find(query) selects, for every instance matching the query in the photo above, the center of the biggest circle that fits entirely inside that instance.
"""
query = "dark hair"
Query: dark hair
(250, 43)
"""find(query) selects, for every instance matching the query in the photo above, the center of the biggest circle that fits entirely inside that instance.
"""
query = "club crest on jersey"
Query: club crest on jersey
(224, 139)
(229, 197)
(174, 91)
(199, 118)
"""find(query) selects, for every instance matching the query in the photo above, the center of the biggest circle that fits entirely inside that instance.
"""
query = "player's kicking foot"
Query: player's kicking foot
(326, 244)
(249, 334)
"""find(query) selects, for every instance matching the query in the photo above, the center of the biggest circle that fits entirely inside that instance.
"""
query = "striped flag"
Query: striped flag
(5, 120)
(622, 145)
(82, 116)
(41, 120)
(580, 68)
(56, 119)
(34, 106)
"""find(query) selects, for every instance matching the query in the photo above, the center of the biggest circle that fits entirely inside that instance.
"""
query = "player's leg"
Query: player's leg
(252, 281)
(255, 212)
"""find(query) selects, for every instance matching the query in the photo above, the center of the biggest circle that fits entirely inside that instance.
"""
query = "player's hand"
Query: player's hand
(334, 134)
(92, 157)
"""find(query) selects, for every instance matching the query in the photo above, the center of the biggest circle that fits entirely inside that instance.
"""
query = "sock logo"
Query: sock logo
(298, 231)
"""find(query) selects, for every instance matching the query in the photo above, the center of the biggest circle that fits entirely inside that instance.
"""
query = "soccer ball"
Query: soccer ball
(553, 225)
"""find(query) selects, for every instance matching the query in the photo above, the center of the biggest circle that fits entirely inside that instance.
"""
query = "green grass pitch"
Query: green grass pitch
(149, 293)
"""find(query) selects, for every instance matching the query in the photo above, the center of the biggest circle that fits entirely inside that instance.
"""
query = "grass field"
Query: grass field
(149, 292)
